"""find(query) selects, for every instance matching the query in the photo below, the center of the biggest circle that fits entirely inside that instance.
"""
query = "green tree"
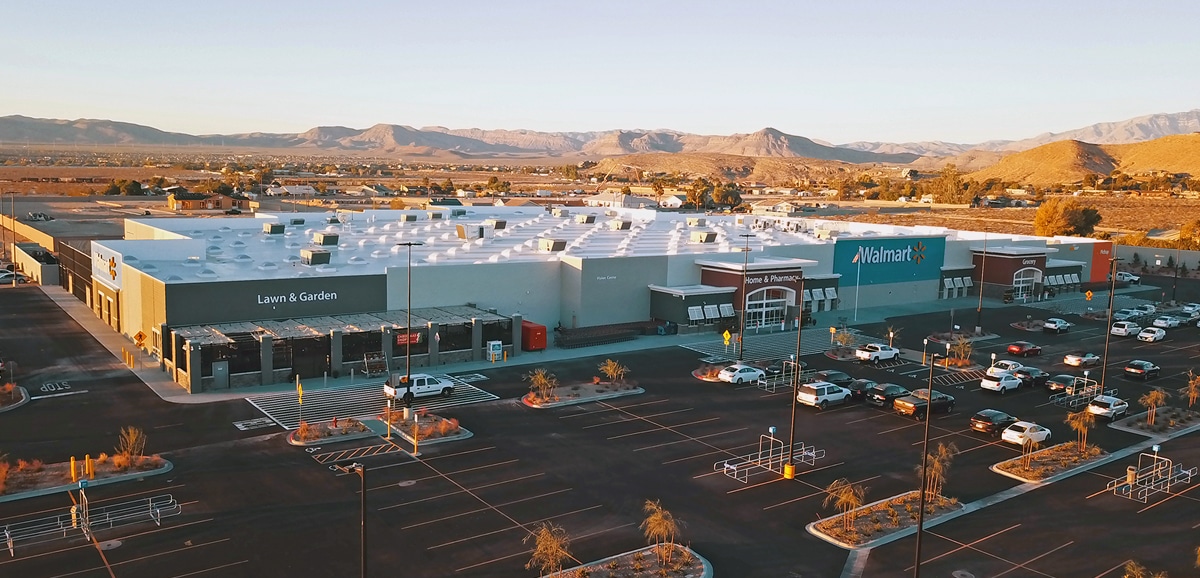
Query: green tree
(448, 186)
(947, 187)
(728, 194)
(131, 189)
(698, 193)
(659, 190)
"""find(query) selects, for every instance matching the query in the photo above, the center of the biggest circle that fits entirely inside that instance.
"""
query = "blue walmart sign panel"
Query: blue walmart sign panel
(889, 260)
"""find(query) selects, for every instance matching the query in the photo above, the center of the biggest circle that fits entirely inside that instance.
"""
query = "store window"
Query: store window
(454, 337)
(768, 306)
(1023, 282)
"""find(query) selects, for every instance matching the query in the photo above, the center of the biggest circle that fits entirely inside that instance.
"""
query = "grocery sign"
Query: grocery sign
(889, 260)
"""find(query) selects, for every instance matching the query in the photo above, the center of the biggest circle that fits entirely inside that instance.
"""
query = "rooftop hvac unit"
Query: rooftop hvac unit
(696, 221)
(560, 213)
(619, 225)
(314, 256)
(585, 219)
(297, 221)
(552, 245)
(497, 224)
(408, 217)
(704, 236)
(458, 213)
(273, 228)
(472, 232)
(326, 239)
(435, 215)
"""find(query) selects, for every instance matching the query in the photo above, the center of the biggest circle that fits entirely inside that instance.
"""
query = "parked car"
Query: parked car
(1127, 277)
(876, 352)
(1146, 309)
(1126, 314)
(859, 388)
(777, 367)
(1031, 376)
(417, 385)
(822, 394)
(1024, 349)
(1020, 431)
(833, 376)
(1108, 406)
(884, 394)
(917, 404)
(991, 421)
(1125, 328)
(1152, 334)
(1056, 325)
(1191, 308)
(740, 373)
(1003, 367)
(1000, 383)
(1060, 382)
(1081, 359)
(1142, 369)
(6, 277)
(1167, 321)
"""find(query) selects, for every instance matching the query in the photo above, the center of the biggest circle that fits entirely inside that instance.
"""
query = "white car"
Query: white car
(1146, 309)
(1191, 308)
(1003, 367)
(1108, 406)
(1126, 314)
(1125, 328)
(1001, 383)
(1128, 277)
(1151, 334)
(1018, 432)
(740, 373)
(822, 394)
(1081, 359)
(1056, 325)
(1167, 321)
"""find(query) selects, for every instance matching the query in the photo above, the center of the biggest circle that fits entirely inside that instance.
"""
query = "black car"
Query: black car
(833, 376)
(1031, 376)
(859, 388)
(884, 394)
(990, 421)
(1142, 369)
(1059, 383)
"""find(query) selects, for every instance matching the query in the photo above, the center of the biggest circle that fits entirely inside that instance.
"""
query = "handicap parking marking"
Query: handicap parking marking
(256, 423)
(470, 377)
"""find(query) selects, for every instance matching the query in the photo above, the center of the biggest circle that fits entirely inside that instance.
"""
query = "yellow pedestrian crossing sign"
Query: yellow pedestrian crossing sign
(726, 335)
(1088, 295)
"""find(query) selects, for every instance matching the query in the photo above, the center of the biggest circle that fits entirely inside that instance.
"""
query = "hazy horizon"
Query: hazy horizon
(874, 71)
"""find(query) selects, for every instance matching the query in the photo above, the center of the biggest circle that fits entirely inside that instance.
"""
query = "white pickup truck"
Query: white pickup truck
(419, 385)
(876, 352)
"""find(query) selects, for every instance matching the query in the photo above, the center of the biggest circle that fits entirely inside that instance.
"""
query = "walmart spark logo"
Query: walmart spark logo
(918, 252)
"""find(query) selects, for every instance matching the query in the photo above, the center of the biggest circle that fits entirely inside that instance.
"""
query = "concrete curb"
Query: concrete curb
(463, 433)
(579, 400)
(371, 432)
(166, 467)
(811, 527)
(1119, 425)
(25, 398)
(995, 468)
(707, 573)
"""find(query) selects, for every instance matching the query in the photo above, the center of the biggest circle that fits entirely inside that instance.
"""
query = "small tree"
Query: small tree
(961, 349)
(1081, 421)
(550, 548)
(1151, 401)
(843, 337)
(660, 528)
(939, 468)
(1027, 449)
(613, 370)
(846, 497)
(1192, 390)
(131, 442)
(542, 384)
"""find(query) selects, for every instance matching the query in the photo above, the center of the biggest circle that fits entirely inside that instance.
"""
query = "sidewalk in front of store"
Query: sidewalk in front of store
(146, 368)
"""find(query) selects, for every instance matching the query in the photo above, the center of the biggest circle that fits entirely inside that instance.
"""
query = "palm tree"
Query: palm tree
(660, 528)
(550, 543)
(938, 464)
(542, 384)
(1027, 448)
(1081, 421)
(1192, 389)
(1151, 401)
(846, 497)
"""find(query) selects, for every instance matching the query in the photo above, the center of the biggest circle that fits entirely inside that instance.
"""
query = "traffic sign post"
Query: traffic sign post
(1088, 295)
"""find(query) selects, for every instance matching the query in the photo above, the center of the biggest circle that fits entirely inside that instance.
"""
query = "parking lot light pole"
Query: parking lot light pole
(745, 298)
(925, 465)
(923, 348)
(982, 270)
(789, 469)
(361, 470)
(408, 326)
(1112, 294)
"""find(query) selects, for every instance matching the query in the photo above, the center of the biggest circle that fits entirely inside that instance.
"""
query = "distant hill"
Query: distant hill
(1069, 161)
(725, 167)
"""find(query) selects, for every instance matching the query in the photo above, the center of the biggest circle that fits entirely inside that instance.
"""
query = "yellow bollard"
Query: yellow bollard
(74, 474)
(505, 357)
(91, 467)
(789, 471)
(416, 433)
(87, 464)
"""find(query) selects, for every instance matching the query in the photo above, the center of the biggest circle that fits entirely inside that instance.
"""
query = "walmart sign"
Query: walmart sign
(889, 260)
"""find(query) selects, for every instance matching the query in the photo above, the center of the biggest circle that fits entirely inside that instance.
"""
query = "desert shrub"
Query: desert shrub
(121, 462)
(36, 466)
(22, 466)
(4, 468)
(443, 428)
(131, 441)
(612, 565)
(100, 459)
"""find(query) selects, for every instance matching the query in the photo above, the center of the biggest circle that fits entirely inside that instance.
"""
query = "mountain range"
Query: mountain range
(444, 142)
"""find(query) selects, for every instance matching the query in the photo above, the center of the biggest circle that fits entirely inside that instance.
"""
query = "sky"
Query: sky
(840, 71)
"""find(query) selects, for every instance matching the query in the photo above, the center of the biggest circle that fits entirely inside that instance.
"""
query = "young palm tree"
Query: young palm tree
(660, 528)
(1027, 450)
(1151, 401)
(961, 348)
(542, 384)
(1081, 421)
(846, 497)
(550, 543)
(614, 371)
(938, 464)
(1192, 390)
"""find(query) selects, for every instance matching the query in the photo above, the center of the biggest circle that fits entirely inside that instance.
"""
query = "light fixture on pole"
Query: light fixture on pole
(891, 334)
(789, 469)
(745, 298)
(924, 347)
(361, 470)
(408, 334)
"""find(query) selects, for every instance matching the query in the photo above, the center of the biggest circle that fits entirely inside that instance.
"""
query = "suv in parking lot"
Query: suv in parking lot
(1142, 369)
(1125, 328)
(1056, 325)
(990, 421)
(833, 376)
(822, 394)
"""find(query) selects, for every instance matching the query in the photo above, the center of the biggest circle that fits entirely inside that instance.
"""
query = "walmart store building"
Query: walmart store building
(233, 302)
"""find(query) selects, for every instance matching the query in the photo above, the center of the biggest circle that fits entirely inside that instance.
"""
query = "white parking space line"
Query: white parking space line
(881, 414)
(489, 508)
(1169, 497)
(528, 552)
(629, 419)
(502, 530)
(671, 443)
(221, 567)
(448, 494)
(1023, 566)
(612, 408)
(806, 496)
(963, 545)
(896, 429)
(463, 471)
(660, 428)
(714, 452)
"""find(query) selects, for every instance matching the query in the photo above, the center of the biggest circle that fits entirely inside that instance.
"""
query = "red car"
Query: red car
(1024, 349)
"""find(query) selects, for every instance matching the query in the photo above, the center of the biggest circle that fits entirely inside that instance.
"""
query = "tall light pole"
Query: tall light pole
(361, 470)
(408, 328)
(925, 466)
(745, 298)
(1112, 293)
(789, 470)
(982, 270)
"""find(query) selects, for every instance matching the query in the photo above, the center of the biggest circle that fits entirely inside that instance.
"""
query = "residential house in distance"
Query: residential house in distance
(673, 201)
(186, 201)
(291, 190)
(617, 200)
(370, 191)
